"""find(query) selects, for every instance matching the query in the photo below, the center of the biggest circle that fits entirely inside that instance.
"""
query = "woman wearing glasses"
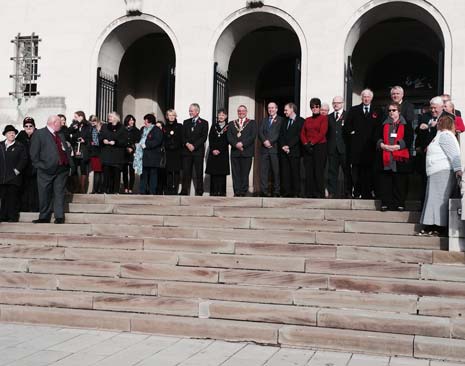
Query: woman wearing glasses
(29, 193)
(313, 138)
(394, 161)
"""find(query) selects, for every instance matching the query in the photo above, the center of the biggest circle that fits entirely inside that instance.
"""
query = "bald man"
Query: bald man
(51, 156)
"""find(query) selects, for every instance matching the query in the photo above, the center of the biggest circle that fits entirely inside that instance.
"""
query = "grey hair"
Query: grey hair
(436, 101)
(367, 91)
(397, 87)
(196, 106)
(115, 116)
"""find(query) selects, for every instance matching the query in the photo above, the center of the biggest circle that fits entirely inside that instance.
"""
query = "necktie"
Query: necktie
(289, 123)
(336, 115)
(366, 111)
(270, 122)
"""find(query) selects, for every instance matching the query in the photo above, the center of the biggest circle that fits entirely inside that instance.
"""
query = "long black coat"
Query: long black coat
(291, 137)
(361, 134)
(77, 131)
(218, 140)
(173, 146)
(133, 134)
(247, 137)
(15, 157)
(113, 155)
(152, 151)
(29, 170)
(196, 135)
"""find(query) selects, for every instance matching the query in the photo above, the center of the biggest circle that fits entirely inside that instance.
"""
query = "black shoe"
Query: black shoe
(41, 221)
(59, 221)
(384, 208)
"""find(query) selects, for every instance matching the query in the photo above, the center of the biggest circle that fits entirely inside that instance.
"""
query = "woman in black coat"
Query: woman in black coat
(133, 139)
(113, 138)
(29, 191)
(218, 156)
(173, 150)
(13, 161)
(79, 133)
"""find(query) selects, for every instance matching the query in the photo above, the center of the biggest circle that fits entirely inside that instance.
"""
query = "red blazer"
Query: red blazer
(314, 130)
(459, 126)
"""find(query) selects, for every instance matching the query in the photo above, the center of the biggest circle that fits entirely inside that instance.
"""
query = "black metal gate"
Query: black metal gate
(169, 87)
(220, 92)
(349, 78)
(106, 94)
(297, 84)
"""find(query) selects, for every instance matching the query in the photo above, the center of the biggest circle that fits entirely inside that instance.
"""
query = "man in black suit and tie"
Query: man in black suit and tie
(195, 133)
(360, 127)
(241, 136)
(289, 151)
(337, 150)
(407, 109)
(51, 156)
(268, 134)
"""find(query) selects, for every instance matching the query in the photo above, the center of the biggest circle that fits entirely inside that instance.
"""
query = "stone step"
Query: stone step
(370, 215)
(439, 348)
(168, 273)
(270, 213)
(52, 299)
(291, 250)
(376, 205)
(387, 322)
(86, 268)
(441, 306)
(357, 300)
(362, 268)
(381, 228)
(385, 254)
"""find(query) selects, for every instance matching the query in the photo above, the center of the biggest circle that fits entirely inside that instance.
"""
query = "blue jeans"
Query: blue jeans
(148, 180)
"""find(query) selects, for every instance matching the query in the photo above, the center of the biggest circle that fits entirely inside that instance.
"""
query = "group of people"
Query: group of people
(372, 147)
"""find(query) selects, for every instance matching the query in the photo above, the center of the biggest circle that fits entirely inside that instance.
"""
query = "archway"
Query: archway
(136, 70)
(260, 53)
(396, 43)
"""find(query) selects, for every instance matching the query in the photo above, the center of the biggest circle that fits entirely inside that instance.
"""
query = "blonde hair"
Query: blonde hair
(171, 111)
(115, 115)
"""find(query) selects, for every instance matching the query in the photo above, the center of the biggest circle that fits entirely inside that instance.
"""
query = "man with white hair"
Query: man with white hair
(360, 125)
(324, 109)
(51, 156)
(407, 109)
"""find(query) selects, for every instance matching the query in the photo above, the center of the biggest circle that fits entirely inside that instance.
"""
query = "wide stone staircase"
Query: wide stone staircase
(326, 274)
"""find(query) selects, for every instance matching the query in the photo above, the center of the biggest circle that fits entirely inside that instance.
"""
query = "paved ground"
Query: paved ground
(30, 345)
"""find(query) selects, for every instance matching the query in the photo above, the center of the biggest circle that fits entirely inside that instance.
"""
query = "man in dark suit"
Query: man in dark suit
(360, 127)
(289, 151)
(337, 150)
(51, 156)
(195, 133)
(241, 136)
(268, 134)
(407, 109)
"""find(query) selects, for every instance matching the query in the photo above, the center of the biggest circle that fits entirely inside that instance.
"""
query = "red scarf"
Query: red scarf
(399, 155)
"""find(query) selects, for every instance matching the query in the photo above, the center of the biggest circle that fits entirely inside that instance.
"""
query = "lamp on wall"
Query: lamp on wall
(133, 7)
(253, 4)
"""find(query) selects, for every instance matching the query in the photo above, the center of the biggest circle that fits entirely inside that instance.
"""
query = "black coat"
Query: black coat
(133, 134)
(196, 135)
(113, 155)
(291, 137)
(218, 140)
(173, 141)
(335, 137)
(152, 151)
(29, 170)
(424, 137)
(80, 131)
(15, 157)
(247, 137)
(361, 135)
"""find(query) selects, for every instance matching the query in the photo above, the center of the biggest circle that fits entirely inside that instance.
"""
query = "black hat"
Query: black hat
(29, 120)
(9, 128)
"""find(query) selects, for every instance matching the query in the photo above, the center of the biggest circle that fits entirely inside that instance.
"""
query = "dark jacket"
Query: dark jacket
(405, 143)
(335, 137)
(247, 137)
(44, 154)
(196, 135)
(15, 157)
(113, 155)
(152, 151)
(173, 141)
(270, 133)
(133, 134)
(361, 135)
(291, 137)
(218, 140)
(424, 137)
(80, 131)
(25, 139)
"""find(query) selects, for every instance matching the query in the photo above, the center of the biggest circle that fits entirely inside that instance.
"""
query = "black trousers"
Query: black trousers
(29, 194)
(51, 189)
(111, 178)
(98, 186)
(189, 162)
(334, 162)
(173, 178)
(393, 188)
(363, 179)
(289, 168)
(218, 185)
(240, 169)
(129, 176)
(315, 164)
(267, 161)
(11, 200)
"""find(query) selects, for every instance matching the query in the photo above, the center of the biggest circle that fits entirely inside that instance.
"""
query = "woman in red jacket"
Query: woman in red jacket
(313, 138)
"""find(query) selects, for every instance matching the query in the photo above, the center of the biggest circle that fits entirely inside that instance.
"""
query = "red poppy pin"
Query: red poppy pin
(374, 115)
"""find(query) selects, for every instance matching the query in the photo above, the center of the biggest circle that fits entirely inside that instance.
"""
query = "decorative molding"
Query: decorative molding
(133, 7)
(253, 4)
